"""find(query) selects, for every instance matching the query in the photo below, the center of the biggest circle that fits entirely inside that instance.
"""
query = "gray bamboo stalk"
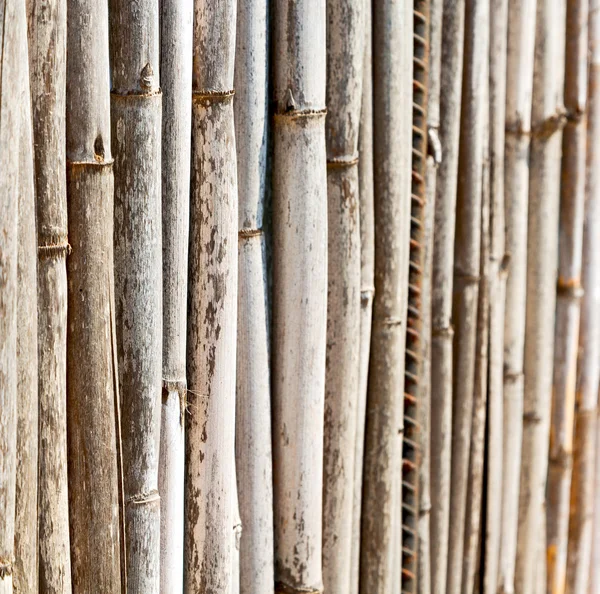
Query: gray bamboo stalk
(367, 267)
(136, 141)
(582, 488)
(212, 305)
(47, 60)
(11, 56)
(442, 281)
(467, 273)
(392, 109)
(519, 84)
(568, 294)
(544, 187)
(254, 463)
(92, 445)
(345, 58)
(299, 291)
(497, 292)
(25, 573)
(176, 83)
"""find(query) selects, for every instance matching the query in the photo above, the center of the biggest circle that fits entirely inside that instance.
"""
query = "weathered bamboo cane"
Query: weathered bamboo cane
(47, 60)
(253, 399)
(568, 295)
(442, 281)
(467, 274)
(25, 569)
(519, 84)
(176, 84)
(136, 140)
(92, 444)
(212, 305)
(497, 279)
(11, 57)
(582, 487)
(544, 188)
(381, 552)
(345, 57)
(595, 558)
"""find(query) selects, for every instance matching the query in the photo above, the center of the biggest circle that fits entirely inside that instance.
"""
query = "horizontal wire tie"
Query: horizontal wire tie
(444, 332)
(342, 162)
(141, 94)
(213, 96)
(247, 233)
(301, 113)
(142, 498)
(54, 250)
(569, 290)
(281, 588)
(99, 162)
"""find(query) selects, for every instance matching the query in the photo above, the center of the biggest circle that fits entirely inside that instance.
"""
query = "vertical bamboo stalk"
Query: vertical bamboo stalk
(467, 272)
(568, 294)
(254, 463)
(442, 280)
(136, 135)
(47, 60)
(212, 305)
(582, 488)
(544, 185)
(519, 77)
(25, 574)
(92, 445)
(497, 274)
(392, 109)
(595, 558)
(236, 537)
(345, 57)
(176, 84)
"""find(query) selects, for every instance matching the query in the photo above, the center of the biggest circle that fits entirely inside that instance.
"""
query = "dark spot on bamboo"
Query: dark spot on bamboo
(99, 149)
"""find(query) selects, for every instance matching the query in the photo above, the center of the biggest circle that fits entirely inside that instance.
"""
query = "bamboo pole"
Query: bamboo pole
(582, 488)
(176, 84)
(136, 135)
(345, 57)
(498, 262)
(212, 305)
(47, 60)
(25, 573)
(519, 84)
(254, 462)
(392, 109)
(92, 445)
(568, 294)
(546, 126)
(595, 557)
(442, 331)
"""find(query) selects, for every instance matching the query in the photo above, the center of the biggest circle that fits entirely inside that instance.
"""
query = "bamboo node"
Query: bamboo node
(143, 498)
(554, 123)
(504, 264)
(513, 377)
(468, 279)
(443, 332)
(434, 145)
(531, 418)
(179, 386)
(570, 290)
(6, 568)
(561, 459)
(248, 233)
(391, 321)
(342, 162)
(210, 97)
(281, 588)
(54, 250)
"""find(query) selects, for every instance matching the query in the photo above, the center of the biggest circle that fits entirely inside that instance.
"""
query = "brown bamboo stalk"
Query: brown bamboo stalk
(212, 305)
(392, 108)
(544, 185)
(136, 142)
(568, 294)
(47, 60)
(25, 575)
(519, 83)
(442, 281)
(595, 557)
(582, 488)
(93, 473)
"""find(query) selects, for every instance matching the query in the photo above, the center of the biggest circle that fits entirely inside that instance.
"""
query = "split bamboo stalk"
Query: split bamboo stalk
(519, 84)
(11, 57)
(176, 83)
(136, 142)
(568, 294)
(497, 289)
(212, 305)
(345, 57)
(582, 487)
(467, 273)
(442, 280)
(381, 548)
(544, 188)
(25, 571)
(299, 291)
(47, 60)
(367, 267)
(92, 444)
(254, 462)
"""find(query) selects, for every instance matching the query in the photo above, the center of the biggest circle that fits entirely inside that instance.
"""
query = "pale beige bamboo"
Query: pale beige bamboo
(544, 188)
(519, 84)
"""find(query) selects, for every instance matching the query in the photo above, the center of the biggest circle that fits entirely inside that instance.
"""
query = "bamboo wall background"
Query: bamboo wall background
(315, 302)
